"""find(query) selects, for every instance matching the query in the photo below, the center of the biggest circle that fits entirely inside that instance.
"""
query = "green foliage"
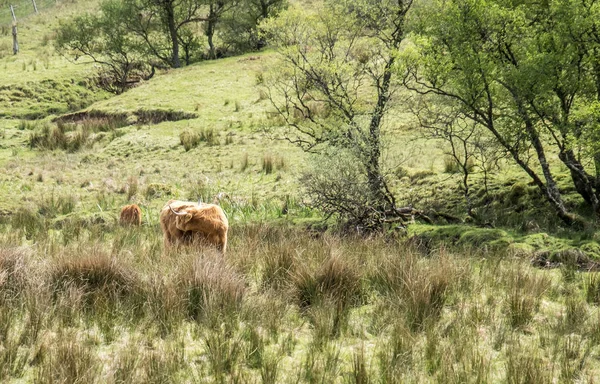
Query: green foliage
(531, 63)
(106, 39)
(332, 88)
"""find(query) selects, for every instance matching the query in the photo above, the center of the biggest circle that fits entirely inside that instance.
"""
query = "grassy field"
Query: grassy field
(84, 300)
(286, 307)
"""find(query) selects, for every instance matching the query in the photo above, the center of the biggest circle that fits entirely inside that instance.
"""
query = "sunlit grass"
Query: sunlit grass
(284, 306)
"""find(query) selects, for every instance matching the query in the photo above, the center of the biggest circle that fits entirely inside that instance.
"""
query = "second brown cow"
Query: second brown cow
(131, 215)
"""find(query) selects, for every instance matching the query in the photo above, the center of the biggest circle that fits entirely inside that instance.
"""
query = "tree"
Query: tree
(163, 25)
(334, 84)
(524, 71)
(216, 10)
(105, 39)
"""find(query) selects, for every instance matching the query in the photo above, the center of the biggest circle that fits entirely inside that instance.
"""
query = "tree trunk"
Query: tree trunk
(584, 185)
(210, 32)
(551, 189)
(264, 9)
(170, 13)
(375, 178)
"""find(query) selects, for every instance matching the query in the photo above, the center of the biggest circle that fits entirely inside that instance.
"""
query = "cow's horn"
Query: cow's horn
(176, 213)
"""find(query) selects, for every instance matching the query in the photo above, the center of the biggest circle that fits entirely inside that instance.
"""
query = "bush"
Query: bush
(13, 271)
(100, 278)
(337, 185)
(189, 139)
(68, 360)
(212, 290)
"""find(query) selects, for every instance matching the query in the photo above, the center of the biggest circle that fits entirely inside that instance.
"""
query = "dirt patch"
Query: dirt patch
(141, 116)
(80, 117)
(155, 116)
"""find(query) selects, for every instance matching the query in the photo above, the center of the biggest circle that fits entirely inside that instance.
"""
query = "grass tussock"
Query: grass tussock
(592, 287)
(212, 290)
(98, 277)
(13, 272)
(189, 139)
(418, 288)
(272, 163)
(327, 294)
(285, 306)
(72, 137)
(336, 278)
(68, 360)
(524, 293)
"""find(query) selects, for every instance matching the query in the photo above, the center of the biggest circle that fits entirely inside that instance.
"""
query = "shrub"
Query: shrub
(100, 278)
(68, 360)
(13, 271)
(267, 164)
(189, 139)
(212, 290)
(209, 136)
(337, 184)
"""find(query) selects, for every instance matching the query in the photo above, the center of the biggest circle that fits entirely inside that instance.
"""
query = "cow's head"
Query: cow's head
(183, 219)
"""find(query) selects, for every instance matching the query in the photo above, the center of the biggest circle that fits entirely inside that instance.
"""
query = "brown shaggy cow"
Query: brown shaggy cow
(183, 222)
(131, 215)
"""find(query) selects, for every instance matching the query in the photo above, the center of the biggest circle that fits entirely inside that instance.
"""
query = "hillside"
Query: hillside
(512, 297)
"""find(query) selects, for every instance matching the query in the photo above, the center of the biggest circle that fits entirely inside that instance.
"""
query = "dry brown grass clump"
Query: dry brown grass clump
(418, 287)
(211, 289)
(337, 279)
(13, 271)
(68, 360)
(189, 139)
(97, 275)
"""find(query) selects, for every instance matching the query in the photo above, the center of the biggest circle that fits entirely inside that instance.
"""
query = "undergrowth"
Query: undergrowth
(284, 306)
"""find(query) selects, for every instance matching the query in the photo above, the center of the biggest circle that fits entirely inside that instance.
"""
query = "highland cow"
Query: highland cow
(185, 222)
(131, 215)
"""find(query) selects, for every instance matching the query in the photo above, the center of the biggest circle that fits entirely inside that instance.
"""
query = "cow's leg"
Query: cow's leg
(168, 240)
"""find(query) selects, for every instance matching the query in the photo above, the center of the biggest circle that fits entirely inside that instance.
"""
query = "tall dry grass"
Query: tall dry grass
(284, 306)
